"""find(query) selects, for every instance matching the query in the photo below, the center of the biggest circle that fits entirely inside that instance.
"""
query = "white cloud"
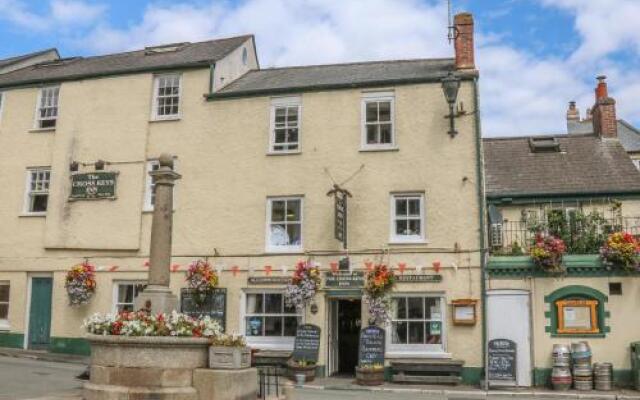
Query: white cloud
(75, 12)
(61, 15)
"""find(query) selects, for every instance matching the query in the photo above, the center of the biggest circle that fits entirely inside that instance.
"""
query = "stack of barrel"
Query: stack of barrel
(603, 373)
(561, 374)
(582, 371)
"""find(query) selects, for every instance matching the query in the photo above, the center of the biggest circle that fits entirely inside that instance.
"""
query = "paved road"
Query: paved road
(31, 379)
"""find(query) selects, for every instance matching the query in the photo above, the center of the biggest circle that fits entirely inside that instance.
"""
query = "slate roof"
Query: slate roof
(628, 135)
(12, 60)
(333, 76)
(585, 165)
(191, 55)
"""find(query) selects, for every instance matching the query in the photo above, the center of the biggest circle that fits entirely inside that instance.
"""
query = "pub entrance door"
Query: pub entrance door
(344, 335)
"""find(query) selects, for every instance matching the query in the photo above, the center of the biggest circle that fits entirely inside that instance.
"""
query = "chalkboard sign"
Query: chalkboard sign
(215, 305)
(371, 350)
(307, 343)
(502, 360)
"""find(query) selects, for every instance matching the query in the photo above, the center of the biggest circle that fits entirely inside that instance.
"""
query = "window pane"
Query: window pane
(289, 309)
(416, 332)
(280, 115)
(254, 326)
(273, 303)
(273, 326)
(401, 227)
(385, 111)
(39, 202)
(292, 116)
(385, 133)
(434, 332)
(255, 303)
(416, 307)
(399, 333)
(278, 235)
(372, 134)
(400, 308)
(292, 135)
(414, 227)
(290, 326)
(4, 293)
(281, 135)
(293, 210)
(125, 293)
(372, 112)
(277, 210)
(294, 235)
(4, 311)
(401, 207)
(414, 207)
(433, 308)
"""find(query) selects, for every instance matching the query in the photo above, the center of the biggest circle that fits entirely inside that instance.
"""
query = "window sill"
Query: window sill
(42, 130)
(400, 242)
(378, 149)
(283, 153)
(4, 326)
(31, 215)
(168, 119)
(289, 250)
(396, 354)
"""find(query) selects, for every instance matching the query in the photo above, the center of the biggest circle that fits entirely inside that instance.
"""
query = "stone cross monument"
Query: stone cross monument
(157, 296)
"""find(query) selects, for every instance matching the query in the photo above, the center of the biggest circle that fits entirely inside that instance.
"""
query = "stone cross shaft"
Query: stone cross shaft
(157, 296)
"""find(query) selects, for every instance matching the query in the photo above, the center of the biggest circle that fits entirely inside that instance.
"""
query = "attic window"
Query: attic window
(165, 48)
(59, 61)
(544, 145)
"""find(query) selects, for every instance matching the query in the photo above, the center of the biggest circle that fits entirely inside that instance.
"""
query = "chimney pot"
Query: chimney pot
(601, 89)
(463, 43)
(573, 114)
(605, 123)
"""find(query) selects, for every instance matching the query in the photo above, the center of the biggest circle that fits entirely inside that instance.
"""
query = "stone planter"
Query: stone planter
(225, 357)
(369, 376)
(309, 371)
(161, 368)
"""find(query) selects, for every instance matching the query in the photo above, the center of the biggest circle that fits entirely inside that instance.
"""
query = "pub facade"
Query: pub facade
(261, 153)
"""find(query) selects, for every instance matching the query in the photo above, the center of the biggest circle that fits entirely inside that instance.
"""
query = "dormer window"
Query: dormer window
(544, 144)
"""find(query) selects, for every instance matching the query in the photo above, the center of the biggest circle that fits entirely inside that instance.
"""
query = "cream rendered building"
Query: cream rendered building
(258, 150)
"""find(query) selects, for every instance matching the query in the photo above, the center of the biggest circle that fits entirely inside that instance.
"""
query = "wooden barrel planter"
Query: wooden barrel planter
(369, 376)
(309, 371)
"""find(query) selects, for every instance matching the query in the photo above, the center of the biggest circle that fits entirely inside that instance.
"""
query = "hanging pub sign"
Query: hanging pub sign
(306, 345)
(93, 185)
(344, 280)
(501, 361)
(340, 213)
(371, 350)
(214, 305)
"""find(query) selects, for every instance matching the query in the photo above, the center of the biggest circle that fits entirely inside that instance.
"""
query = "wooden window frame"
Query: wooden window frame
(593, 312)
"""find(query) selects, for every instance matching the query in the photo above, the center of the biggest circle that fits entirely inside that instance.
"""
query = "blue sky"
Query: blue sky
(534, 55)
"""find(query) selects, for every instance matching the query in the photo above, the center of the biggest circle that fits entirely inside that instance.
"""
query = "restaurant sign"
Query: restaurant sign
(418, 278)
(93, 185)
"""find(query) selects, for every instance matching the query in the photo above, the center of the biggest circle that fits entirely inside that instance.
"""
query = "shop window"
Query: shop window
(577, 311)
(268, 322)
(125, 295)
(417, 324)
(4, 305)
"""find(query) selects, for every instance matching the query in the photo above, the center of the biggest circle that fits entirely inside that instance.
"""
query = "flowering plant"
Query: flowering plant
(621, 249)
(378, 282)
(226, 340)
(201, 278)
(303, 286)
(547, 252)
(142, 323)
(80, 283)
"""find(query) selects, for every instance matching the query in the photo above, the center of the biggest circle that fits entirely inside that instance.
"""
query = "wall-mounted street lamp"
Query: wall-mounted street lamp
(450, 86)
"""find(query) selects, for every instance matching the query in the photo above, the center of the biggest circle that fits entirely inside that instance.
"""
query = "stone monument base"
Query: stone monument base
(226, 384)
(160, 299)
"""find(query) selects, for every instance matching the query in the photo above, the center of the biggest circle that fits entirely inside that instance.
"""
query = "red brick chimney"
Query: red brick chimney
(605, 123)
(463, 25)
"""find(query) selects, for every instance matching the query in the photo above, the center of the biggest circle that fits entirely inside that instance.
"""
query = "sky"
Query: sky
(534, 56)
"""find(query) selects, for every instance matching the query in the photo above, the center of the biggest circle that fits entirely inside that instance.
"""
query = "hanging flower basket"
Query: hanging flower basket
(201, 279)
(547, 253)
(80, 284)
(621, 250)
(303, 286)
(378, 283)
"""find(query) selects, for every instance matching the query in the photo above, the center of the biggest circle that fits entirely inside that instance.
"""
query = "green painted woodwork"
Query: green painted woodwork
(40, 313)
(11, 339)
(579, 292)
(77, 346)
(576, 265)
(621, 377)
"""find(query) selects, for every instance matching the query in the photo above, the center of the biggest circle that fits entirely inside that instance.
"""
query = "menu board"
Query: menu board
(215, 305)
(502, 360)
(371, 350)
(307, 343)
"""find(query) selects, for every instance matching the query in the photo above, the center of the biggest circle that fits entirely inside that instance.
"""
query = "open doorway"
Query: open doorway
(346, 320)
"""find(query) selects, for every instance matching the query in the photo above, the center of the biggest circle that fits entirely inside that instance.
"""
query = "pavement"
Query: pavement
(31, 378)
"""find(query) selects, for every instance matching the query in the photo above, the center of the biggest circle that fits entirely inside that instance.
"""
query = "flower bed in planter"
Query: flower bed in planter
(370, 375)
(229, 352)
(305, 368)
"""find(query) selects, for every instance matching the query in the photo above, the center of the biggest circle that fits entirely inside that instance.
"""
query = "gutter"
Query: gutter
(481, 219)
(521, 198)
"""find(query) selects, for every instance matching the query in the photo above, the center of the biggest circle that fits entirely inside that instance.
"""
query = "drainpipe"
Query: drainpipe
(212, 70)
(481, 218)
